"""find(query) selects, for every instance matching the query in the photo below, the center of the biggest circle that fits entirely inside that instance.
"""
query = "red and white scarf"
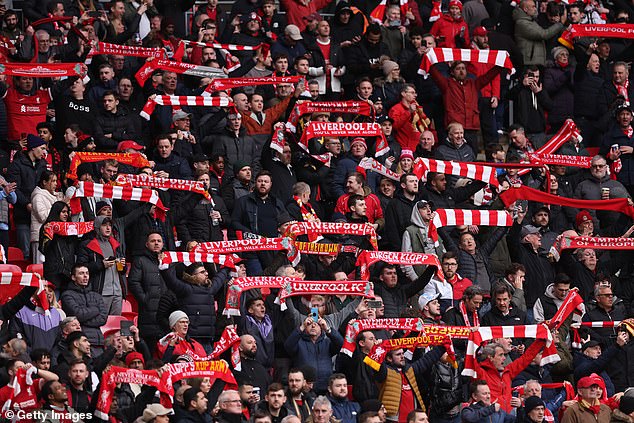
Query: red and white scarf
(21, 384)
(487, 333)
(465, 315)
(228, 339)
(362, 108)
(492, 57)
(342, 129)
(278, 142)
(225, 84)
(307, 211)
(479, 172)
(177, 67)
(87, 189)
(183, 100)
(596, 243)
(13, 282)
(297, 287)
(597, 31)
(368, 163)
(574, 328)
(436, 11)
(252, 244)
(146, 181)
(225, 260)
(132, 159)
(125, 50)
(218, 369)
(378, 14)
(457, 217)
(571, 303)
(380, 350)
(525, 193)
(560, 160)
(343, 228)
(355, 327)
(567, 131)
(232, 63)
(367, 258)
(67, 228)
(44, 70)
(238, 285)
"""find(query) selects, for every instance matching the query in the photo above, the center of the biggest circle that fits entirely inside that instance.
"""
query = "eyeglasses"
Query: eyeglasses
(606, 295)
(200, 271)
(601, 166)
(232, 401)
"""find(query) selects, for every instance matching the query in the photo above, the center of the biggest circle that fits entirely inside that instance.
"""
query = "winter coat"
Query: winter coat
(449, 151)
(317, 66)
(317, 354)
(193, 220)
(500, 384)
(539, 271)
(494, 317)
(454, 31)
(281, 46)
(606, 102)
(590, 189)
(232, 191)
(415, 240)
(241, 148)
(598, 314)
(616, 136)
(89, 253)
(395, 299)
(461, 98)
(533, 120)
(41, 202)
(559, 83)
(359, 58)
(197, 301)
(405, 133)
(60, 257)
(480, 413)
(252, 370)
(576, 414)
(146, 284)
(143, 226)
(175, 165)
(89, 308)
(344, 409)
(399, 214)
(266, 344)
(245, 213)
(546, 305)
(621, 369)
(35, 327)
(119, 124)
(26, 175)
(585, 366)
(531, 37)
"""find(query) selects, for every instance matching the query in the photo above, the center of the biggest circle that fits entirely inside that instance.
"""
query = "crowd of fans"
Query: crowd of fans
(291, 368)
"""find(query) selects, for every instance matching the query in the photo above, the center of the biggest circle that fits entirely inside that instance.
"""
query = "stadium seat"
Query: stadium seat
(35, 268)
(10, 268)
(126, 310)
(113, 323)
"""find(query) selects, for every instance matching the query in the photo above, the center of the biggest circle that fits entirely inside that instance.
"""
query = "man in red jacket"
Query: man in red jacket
(490, 367)
(451, 30)
(460, 97)
(405, 115)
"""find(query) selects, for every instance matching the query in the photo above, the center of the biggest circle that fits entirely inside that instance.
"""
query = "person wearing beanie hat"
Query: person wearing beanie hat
(535, 409)
(405, 162)
(178, 341)
(135, 360)
(179, 316)
(25, 170)
(389, 66)
(451, 30)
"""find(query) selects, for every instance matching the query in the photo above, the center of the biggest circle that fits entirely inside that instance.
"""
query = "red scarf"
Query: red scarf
(224, 84)
(379, 351)
(492, 57)
(343, 129)
(190, 258)
(463, 311)
(597, 31)
(368, 163)
(183, 100)
(44, 70)
(362, 108)
(367, 258)
(343, 228)
(177, 67)
(132, 159)
(622, 90)
(239, 285)
(125, 50)
(295, 288)
(13, 282)
(67, 228)
(146, 181)
(456, 217)
(308, 213)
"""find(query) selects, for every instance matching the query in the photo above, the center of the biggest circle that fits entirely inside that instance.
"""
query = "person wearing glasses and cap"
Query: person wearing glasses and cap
(588, 406)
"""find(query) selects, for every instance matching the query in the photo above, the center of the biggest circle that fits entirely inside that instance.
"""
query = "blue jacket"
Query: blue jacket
(345, 410)
(317, 354)
(585, 366)
(480, 413)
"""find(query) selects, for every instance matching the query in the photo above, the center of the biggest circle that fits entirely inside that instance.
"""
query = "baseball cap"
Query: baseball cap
(125, 145)
(179, 114)
(528, 230)
(293, 32)
(427, 298)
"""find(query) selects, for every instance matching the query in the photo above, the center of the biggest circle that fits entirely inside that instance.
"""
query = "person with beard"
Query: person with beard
(11, 29)
(297, 402)
(344, 410)
(55, 398)
(259, 213)
(273, 403)
(364, 58)
(251, 369)
(530, 37)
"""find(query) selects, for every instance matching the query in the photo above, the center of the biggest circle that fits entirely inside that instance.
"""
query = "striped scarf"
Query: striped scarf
(183, 100)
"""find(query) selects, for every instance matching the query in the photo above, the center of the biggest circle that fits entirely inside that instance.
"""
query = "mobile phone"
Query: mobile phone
(256, 390)
(375, 304)
(94, 14)
(110, 258)
(314, 314)
(23, 135)
(125, 328)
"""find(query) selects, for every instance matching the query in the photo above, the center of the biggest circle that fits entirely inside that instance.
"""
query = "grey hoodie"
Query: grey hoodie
(418, 228)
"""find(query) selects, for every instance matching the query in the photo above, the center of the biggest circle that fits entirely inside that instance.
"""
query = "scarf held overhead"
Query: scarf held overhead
(343, 129)
(67, 228)
(239, 285)
(177, 67)
(87, 189)
(367, 258)
(133, 159)
(295, 288)
(170, 257)
(479, 172)
(459, 217)
(343, 228)
(182, 100)
(44, 70)
(499, 58)
(146, 181)
(229, 83)
(362, 108)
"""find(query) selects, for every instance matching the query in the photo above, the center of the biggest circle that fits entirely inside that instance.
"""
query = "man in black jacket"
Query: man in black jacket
(113, 124)
(395, 293)
(399, 211)
(147, 286)
(503, 313)
(436, 192)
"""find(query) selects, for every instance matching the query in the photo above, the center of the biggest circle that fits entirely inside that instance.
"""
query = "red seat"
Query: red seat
(113, 323)
(35, 268)
(126, 305)
(10, 268)
(14, 254)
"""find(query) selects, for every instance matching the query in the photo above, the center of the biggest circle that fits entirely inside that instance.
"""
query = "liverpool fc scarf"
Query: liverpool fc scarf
(67, 228)
(367, 258)
(146, 181)
(362, 108)
(129, 51)
(492, 57)
(368, 163)
(525, 193)
(87, 189)
(457, 217)
(295, 288)
(177, 67)
(44, 70)
(355, 327)
(342, 129)
(380, 350)
(239, 285)
(182, 100)
(132, 159)
(343, 228)
(170, 257)
(596, 31)
(229, 83)
(228, 339)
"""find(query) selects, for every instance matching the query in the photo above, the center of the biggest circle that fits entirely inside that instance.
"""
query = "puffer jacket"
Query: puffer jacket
(147, 286)
(240, 148)
(89, 308)
(193, 220)
(531, 37)
(175, 165)
(41, 201)
(590, 189)
(119, 124)
(344, 409)
(197, 301)
(317, 354)
(480, 413)
(559, 83)
(448, 151)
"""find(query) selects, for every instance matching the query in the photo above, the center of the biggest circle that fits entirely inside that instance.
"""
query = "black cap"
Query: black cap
(200, 157)
(531, 403)
(591, 343)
